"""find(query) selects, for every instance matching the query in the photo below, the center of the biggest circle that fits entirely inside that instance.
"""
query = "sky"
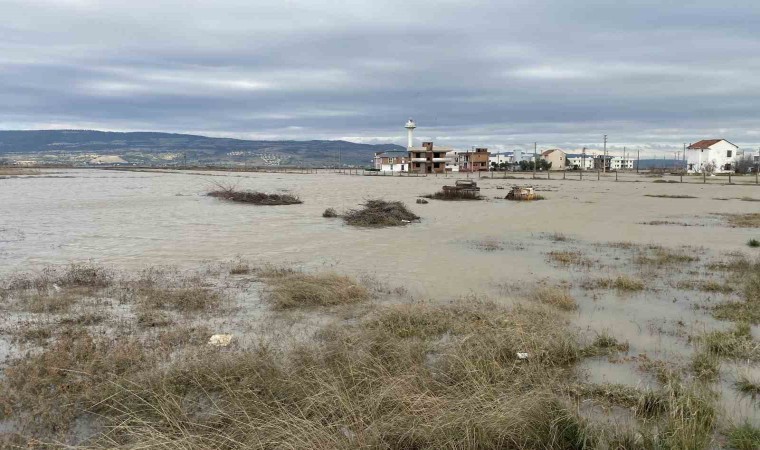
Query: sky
(651, 75)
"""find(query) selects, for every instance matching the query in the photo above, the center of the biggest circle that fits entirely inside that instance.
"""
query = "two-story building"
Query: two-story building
(556, 157)
(392, 161)
(428, 158)
(620, 163)
(579, 161)
(474, 161)
(719, 155)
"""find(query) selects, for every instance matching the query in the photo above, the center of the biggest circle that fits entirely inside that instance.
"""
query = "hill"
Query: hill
(78, 146)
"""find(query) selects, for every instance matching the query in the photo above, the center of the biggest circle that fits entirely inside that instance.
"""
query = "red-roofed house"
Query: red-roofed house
(718, 153)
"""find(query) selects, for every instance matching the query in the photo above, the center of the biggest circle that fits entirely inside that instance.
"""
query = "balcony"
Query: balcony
(443, 160)
(419, 160)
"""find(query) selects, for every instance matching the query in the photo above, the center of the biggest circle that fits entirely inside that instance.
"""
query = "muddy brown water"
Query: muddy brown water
(131, 220)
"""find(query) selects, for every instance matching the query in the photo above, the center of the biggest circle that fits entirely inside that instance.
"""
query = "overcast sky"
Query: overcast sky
(651, 74)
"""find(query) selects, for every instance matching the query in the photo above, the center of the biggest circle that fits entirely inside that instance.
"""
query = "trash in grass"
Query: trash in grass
(220, 340)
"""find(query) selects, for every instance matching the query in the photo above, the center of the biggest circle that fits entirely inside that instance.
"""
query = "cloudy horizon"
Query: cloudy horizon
(652, 75)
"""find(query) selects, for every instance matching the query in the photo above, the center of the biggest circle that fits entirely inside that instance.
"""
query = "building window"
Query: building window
(728, 154)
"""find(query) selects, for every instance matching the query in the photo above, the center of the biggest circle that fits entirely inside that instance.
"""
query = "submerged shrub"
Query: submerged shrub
(455, 194)
(380, 213)
(255, 198)
(330, 213)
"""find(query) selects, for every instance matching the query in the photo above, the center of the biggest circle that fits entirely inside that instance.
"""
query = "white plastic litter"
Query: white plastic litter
(522, 355)
(220, 340)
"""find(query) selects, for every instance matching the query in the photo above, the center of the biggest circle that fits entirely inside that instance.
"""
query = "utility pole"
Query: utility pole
(604, 162)
(638, 159)
(535, 159)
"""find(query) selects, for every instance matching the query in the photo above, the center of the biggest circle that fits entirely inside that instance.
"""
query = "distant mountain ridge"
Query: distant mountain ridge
(156, 147)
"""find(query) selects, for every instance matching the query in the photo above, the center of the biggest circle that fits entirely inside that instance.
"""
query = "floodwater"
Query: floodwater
(134, 219)
(131, 220)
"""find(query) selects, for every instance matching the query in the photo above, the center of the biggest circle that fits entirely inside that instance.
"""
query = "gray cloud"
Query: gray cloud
(650, 74)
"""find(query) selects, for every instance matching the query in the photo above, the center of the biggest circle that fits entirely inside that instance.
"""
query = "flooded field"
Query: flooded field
(643, 265)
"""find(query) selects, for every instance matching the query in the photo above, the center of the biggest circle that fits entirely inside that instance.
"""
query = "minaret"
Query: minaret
(410, 126)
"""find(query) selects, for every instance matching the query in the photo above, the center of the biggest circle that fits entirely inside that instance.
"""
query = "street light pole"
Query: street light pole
(604, 162)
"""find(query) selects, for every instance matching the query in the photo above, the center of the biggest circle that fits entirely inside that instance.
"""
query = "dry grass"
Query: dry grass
(54, 289)
(255, 198)
(410, 376)
(300, 290)
(414, 376)
(380, 213)
(152, 319)
(745, 276)
(558, 237)
(643, 403)
(706, 366)
(55, 278)
(682, 416)
(553, 296)
(85, 319)
(748, 386)
(734, 344)
(660, 256)
(750, 220)
(488, 245)
(744, 437)
(706, 286)
(668, 196)
(665, 222)
(240, 267)
(183, 299)
(330, 213)
(566, 257)
(605, 344)
(621, 283)
(56, 386)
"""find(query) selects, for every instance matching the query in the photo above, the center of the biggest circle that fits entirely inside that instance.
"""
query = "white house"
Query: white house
(580, 161)
(716, 153)
(618, 163)
(500, 158)
(452, 161)
(391, 161)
